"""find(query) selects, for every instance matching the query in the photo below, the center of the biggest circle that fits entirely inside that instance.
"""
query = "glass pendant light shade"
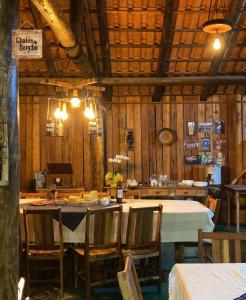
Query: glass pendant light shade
(75, 102)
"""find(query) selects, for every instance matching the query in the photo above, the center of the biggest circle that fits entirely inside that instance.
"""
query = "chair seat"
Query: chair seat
(112, 252)
(139, 253)
(55, 252)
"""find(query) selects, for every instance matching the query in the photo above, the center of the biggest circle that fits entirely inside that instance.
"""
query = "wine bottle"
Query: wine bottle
(119, 192)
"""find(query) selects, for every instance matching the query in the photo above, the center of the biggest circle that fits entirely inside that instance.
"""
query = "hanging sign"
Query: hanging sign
(27, 44)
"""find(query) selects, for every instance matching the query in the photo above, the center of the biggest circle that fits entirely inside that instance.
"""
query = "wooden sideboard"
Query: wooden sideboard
(165, 191)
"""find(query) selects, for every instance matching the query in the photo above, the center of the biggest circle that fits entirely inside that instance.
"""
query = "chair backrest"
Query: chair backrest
(128, 281)
(27, 195)
(39, 228)
(214, 205)
(143, 229)
(239, 177)
(226, 246)
(103, 228)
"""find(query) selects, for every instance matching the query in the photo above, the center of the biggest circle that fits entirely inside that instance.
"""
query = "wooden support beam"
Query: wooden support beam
(234, 13)
(103, 29)
(170, 6)
(55, 18)
(38, 24)
(89, 36)
(9, 192)
(111, 81)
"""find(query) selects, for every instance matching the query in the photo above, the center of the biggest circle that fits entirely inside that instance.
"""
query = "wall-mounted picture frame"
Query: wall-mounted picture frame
(130, 139)
(219, 127)
(191, 128)
(206, 159)
(191, 159)
(219, 144)
(191, 145)
(205, 126)
(205, 144)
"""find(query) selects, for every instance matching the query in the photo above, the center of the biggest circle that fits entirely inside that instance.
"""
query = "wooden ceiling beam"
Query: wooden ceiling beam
(55, 18)
(148, 29)
(169, 16)
(112, 81)
(234, 13)
(38, 24)
(90, 44)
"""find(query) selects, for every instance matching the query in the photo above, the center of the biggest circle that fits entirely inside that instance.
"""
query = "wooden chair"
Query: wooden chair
(40, 241)
(128, 280)
(226, 246)
(28, 195)
(214, 205)
(143, 240)
(102, 244)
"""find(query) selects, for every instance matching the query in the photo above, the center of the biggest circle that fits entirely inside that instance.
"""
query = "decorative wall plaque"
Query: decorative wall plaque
(205, 126)
(129, 139)
(167, 136)
(4, 154)
(205, 144)
(219, 127)
(191, 127)
(27, 44)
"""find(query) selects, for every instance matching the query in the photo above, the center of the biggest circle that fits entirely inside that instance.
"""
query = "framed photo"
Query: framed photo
(190, 145)
(206, 159)
(191, 159)
(219, 127)
(219, 144)
(191, 127)
(205, 144)
(205, 126)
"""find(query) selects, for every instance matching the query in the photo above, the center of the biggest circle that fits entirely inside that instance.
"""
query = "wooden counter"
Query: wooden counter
(165, 191)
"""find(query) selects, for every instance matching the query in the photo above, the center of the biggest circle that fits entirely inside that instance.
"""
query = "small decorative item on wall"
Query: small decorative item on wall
(167, 136)
(191, 145)
(206, 159)
(191, 127)
(219, 127)
(219, 144)
(205, 126)
(191, 160)
(4, 154)
(205, 144)
(130, 139)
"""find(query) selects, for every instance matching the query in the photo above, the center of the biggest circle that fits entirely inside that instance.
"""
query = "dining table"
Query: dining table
(225, 281)
(180, 219)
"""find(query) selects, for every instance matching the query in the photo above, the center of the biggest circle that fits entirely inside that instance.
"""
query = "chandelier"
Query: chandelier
(93, 110)
(217, 22)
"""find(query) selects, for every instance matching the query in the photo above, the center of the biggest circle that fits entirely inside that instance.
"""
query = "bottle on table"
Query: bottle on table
(119, 192)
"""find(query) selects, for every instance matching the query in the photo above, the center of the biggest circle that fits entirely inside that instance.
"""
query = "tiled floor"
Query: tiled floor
(113, 293)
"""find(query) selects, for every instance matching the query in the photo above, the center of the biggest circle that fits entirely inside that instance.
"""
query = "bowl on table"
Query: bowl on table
(105, 201)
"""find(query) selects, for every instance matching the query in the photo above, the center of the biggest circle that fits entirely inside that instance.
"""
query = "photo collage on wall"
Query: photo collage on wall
(204, 144)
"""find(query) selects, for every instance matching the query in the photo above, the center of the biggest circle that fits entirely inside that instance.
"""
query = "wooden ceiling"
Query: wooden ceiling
(141, 38)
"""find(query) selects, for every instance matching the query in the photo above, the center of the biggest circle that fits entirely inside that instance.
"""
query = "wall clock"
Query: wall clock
(167, 136)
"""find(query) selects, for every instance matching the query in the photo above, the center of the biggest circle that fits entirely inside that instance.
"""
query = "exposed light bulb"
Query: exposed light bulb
(75, 102)
(217, 44)
(58, 113)
(89, 112)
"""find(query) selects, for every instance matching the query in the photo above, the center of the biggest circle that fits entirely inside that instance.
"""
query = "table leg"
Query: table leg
(228, 208)
(237, 212)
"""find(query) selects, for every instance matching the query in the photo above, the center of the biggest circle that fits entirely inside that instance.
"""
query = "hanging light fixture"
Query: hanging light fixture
(89, 111)
(75, 101)
(217, 23)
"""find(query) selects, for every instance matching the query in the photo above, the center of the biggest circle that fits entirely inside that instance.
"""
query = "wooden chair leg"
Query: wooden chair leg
(88, 280)
(159, 271)
(28, 275)
(61, 277)
(76, 261)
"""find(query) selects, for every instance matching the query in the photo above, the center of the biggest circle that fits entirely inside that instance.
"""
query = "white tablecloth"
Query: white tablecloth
(180, 220)
(207, 281)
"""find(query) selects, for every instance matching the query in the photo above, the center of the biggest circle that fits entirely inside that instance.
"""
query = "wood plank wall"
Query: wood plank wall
(83, 151)
(136, 112)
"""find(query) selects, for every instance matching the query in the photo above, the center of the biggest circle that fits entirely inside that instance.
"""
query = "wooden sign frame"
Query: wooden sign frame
(27, 44)
(4, 153)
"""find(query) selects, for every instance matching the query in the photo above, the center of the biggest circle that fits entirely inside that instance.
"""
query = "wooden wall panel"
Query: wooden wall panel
(146, 119)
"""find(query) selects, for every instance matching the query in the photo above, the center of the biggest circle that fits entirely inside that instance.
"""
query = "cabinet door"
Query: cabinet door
(186, 192)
